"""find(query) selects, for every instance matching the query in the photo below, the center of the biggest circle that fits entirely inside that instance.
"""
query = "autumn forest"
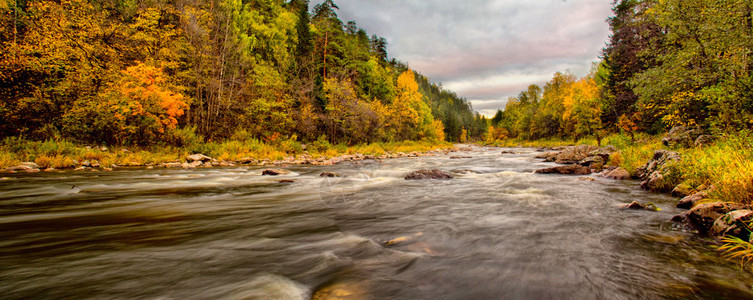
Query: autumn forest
(168, 72)
(668, 63)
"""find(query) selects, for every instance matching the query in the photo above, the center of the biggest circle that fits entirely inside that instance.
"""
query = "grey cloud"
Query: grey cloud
(456, 42)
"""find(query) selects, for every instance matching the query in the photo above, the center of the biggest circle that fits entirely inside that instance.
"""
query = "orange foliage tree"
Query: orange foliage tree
(140, 109)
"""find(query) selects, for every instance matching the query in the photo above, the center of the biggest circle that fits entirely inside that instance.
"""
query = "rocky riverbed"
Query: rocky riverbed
(717, 218)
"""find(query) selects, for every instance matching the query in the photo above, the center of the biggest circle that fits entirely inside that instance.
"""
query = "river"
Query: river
(498, 231)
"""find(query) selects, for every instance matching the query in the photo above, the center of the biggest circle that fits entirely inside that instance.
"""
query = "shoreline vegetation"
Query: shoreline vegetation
(17, 155)
(725, 163)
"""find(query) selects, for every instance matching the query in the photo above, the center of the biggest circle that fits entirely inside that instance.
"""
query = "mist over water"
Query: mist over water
(496, 231)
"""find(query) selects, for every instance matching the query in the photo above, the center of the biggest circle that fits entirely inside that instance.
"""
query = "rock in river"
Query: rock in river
(567, 169)
(275, 172)
(428, 174)
(703, 216)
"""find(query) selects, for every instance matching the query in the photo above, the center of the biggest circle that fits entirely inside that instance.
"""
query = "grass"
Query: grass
(727, 164)
(735, 248)
(65, 154)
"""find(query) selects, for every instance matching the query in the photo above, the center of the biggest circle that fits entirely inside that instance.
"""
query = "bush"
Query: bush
(184, 137)
(321, 144)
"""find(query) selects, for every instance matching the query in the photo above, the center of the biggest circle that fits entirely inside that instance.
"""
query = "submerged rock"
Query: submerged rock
(329, 174)
(465, 171)
(340, 291)
(286, 181)
(637, 205)
(274, 172)
(428, 174)
(567, 169)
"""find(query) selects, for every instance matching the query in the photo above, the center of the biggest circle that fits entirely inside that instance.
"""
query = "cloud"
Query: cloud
(487, 50)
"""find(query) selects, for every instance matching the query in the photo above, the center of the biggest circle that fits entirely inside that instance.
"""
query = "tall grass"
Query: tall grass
(632, 154)
(727, 164)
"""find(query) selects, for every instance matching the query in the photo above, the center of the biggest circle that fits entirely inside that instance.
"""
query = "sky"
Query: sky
(487, 50)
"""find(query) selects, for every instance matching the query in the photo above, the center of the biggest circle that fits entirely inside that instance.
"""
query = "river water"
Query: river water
(496, 232)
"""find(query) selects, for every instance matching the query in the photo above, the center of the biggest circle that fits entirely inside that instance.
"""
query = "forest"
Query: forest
(667, 63)
(174, 72)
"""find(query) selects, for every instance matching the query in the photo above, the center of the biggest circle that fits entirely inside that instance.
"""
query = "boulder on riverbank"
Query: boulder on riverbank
(734, 223)
(198, 157)
(681, 136)
(655, 174)
(594, 162)
(274, 172)
(617, 174)
(682, 190)
(604, 152)
(703, 216)
(566, 169)
(428, 174)
(27, 167)
(689, 201)
(547, 156)
(572, 155)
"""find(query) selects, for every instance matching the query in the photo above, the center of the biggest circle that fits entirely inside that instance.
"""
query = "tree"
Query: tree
(625, 56)
(141, 108)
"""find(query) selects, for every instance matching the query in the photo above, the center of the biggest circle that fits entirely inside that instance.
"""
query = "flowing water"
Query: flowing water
(498, 231)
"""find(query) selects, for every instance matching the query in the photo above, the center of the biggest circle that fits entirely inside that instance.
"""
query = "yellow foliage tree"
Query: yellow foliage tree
(410, 116)
(582, 109)
(438, 130)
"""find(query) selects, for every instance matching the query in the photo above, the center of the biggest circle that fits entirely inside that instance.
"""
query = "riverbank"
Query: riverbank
(711, 176)
(31, 156)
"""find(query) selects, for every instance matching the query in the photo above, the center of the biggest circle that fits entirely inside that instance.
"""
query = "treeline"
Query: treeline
(667, 63)
(146, 72)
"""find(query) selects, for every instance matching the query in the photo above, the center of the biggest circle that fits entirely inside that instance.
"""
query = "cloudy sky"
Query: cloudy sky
(487, 50)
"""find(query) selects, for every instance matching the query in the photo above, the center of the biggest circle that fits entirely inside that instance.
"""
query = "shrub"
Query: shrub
(184, 137)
